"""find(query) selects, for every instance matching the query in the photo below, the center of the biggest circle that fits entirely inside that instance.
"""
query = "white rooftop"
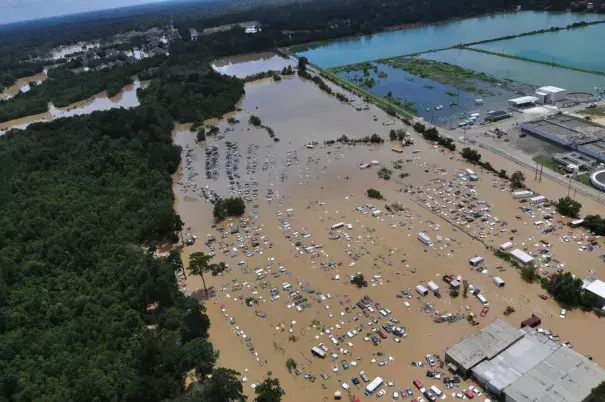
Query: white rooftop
(551, 89)
(597, 287)
(521, 256)
(523, 99)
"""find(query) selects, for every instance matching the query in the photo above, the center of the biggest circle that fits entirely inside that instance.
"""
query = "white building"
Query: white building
(521, 256)
(550, 95)
(523, 101)
(597, 288)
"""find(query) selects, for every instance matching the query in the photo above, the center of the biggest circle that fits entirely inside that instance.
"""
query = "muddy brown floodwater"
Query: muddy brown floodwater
(296, 193)
(127, 98)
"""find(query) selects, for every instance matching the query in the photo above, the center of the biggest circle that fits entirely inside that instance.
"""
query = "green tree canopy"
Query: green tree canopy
(269, 391)
(569, 207)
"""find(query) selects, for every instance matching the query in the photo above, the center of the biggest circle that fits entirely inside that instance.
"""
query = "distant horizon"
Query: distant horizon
(15, 11)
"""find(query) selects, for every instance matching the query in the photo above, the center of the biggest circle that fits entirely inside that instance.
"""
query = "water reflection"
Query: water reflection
(243, 66)
(126, 99)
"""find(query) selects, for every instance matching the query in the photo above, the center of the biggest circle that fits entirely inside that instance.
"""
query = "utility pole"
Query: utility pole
(536, 175)
(541, 169)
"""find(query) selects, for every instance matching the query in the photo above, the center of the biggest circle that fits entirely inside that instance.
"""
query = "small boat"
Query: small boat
(428, 109)
(396, 149)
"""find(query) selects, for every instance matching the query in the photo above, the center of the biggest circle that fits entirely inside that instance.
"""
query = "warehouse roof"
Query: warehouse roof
(484, 344)
(515, 361)
(521, 256)
(523, 100)
(563, 376)
(551, 89)
(595, 286)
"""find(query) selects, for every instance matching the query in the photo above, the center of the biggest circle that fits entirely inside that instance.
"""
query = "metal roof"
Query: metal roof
(484, 344)
(565, 375)
(597, 287)
(550, 89)
(523, 100)
(515, 361)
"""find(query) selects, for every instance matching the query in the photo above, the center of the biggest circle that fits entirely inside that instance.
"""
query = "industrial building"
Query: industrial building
(497, 115)
(573, 133)
(484, 344)
(565, 375)
(523, 101)
(566, 159)
(550, 95)
(524, 365)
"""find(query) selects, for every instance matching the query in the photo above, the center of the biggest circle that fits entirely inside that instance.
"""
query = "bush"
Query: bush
(201, 135)
(255, 121)
(291, 365)
(471, 155)
(374, 194)
(529, 273)
(564, 288)
(431, 134)
(517, 180)
(569, 207)
(233, 206)
(419, 127)
(595, 224)
(359, 281)
(385, 173)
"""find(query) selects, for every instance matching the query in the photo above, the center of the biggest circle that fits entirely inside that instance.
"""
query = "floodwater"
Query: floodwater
(427, 95)
(126, 99)
(520, 71)
(22, 85)
(575, 47)
(245, 65)
(323, 186)
(435, 36)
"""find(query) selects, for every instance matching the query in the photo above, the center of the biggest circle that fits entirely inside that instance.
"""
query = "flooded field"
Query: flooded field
(517, 70)
(440, 104)
(126, 99)
(296, 193)
(436, 36)
(574, 48)
(242, 66)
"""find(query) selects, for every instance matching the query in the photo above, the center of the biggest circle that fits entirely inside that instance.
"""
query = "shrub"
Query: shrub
(374, 194)
(569, 207)
(255, 121)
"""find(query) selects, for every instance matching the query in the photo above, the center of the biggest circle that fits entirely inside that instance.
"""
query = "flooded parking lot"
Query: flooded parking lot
(309, 227)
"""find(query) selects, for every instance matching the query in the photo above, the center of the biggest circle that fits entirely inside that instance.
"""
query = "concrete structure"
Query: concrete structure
(570, 132)
(497, 115)
(524, 365)
(501, 371)
(551, 95)
(582, 161)
(521, 256)
(597, 288)
(484, 344)
(565, 375)
(522, 101)
(597, 179)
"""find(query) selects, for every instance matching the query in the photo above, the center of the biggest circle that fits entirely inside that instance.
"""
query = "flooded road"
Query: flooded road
(296, 193)
(126, 99)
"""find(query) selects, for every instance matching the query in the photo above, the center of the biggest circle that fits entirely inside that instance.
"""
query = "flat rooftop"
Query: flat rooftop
(484, 344)
(511, 364)
(550, 88)
(565, 375)
(568, 129)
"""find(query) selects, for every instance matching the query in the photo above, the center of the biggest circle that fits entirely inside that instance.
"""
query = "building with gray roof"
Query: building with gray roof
(565, 375)
(484, 344)
(505, 368)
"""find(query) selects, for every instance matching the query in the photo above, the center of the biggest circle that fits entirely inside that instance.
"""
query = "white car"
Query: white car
(563, 313)
(381, 393)
(395, 395)
(346, 386)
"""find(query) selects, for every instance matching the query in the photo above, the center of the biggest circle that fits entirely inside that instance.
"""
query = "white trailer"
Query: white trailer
(373, 386)
(337, 225)
(522, 194)
(521, 256)
(318, 352)
(423, 237)
(422, 290)
(376, 212)
(537, 200)
(476, 261)
(498, 281)
(506, 246)
(576, 223)
(433, 286)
